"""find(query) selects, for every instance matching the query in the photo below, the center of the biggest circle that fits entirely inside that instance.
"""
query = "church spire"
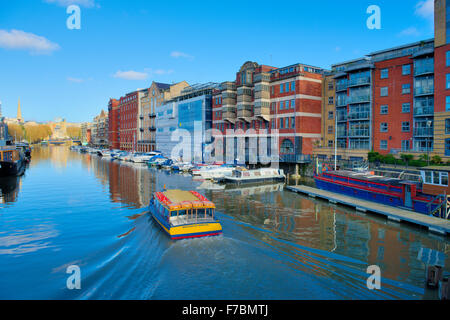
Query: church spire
(19, 113)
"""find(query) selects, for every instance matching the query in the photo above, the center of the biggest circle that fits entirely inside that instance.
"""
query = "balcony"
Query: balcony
(359, 99)
(354, 133)
(341, 86)
(295, 158)
(359, 116)
(262, 111)
(363, 81)
(341, 102)
(152, 115)
(423, 91)
(423, 132)
(422, 70)
(423, 111)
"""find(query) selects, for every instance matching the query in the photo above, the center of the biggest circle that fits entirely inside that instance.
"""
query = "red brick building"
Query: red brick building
(113, 128)
(393, 102)
(267, 98)
(128, 120)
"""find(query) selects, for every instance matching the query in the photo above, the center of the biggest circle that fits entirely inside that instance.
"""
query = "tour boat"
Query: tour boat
(12, 161)
(257, 175)
(384, 190)
(184, 214)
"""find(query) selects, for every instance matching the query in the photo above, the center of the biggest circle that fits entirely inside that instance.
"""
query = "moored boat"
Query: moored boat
(12, 161)
(257, 175)
(184, 214)
(384, 190)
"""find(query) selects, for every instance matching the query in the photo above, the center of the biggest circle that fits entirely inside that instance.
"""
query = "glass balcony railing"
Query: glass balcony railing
(341, 133)
(423, 132)
(341, 86)
(341, 102)
(359, 99)
(358, 133)
(358, 115)
(341, 116)
(359, 81)
(423, 69)
(423, 91)
(423, 111)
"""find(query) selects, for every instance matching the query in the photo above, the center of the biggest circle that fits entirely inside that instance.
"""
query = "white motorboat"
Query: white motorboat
(217, 172)
(143, 157)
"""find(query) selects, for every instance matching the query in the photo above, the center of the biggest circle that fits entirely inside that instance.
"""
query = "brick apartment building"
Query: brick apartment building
(266, 98)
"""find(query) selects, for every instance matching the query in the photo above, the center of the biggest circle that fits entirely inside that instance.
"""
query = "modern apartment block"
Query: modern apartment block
(150, 101)
(267, 98)
(191, 113)
(383, 102)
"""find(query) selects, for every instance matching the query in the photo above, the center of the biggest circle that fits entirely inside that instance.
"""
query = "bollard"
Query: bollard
(444, 289)
(434, 275)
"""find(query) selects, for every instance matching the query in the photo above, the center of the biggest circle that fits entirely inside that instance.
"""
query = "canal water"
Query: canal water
(77, 209)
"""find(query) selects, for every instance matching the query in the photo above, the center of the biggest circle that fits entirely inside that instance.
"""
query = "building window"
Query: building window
(406, 88)
(384, 109)
(447, 147)
(405, 145)
(406, 69)
(383, 145)
(384, 73)
(447, 103)
(330, 129)
(330, 100)
(293, 103)
(287, 147)
(405, 126)
(384, 91)
(406, 108)
(286, 104)
(447, 126)
(281, 105)
(447, 59)
(330, 143)
(330, 115)
(383, 127)
(281, 88)
(447, 81)
(286, 123)
(293, 85)
(293, 122)
(287, 87)
(330, 85)
(281, 123)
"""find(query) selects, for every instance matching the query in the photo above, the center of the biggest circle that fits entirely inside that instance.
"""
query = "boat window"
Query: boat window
(435, 177)
(182, 212)
(444, 178)
(173, 213)
(200, 212)
(428, 177)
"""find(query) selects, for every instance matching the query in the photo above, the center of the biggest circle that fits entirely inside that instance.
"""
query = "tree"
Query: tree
(407, 158)
(436, 159)
(16, 132)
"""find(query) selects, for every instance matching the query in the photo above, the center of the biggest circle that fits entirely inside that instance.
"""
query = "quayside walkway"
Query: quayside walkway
(433, 224)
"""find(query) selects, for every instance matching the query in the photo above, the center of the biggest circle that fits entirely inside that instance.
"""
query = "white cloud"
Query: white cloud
(131, 75)
(21, 40)
(425, 9)
(76, 80)
(161, 72)
(81, 3)
(178, 54)
(411, 31)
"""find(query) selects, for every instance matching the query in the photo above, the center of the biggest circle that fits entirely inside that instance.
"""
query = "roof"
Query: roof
(177, 199)
(437, 168)
(177, 196)
(163, 86)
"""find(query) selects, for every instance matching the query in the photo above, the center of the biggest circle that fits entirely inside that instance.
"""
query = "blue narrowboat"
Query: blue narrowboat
(384, 190)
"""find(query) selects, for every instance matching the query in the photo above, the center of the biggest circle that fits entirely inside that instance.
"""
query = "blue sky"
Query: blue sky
(125, 45)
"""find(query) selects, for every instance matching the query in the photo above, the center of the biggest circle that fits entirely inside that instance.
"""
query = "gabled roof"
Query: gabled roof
(162, 86)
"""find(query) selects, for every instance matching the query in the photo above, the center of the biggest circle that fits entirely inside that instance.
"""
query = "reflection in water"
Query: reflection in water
(276, 244)
(9, 189)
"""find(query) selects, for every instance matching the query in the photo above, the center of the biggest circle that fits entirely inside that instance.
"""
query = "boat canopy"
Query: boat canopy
(180, 199)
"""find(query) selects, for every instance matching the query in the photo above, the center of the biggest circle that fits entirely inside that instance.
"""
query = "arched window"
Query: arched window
(287, 147)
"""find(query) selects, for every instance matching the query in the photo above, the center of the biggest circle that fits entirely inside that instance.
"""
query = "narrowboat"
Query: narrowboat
(12, 161)
(384, 190)
(184, 214)
(241, 175)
